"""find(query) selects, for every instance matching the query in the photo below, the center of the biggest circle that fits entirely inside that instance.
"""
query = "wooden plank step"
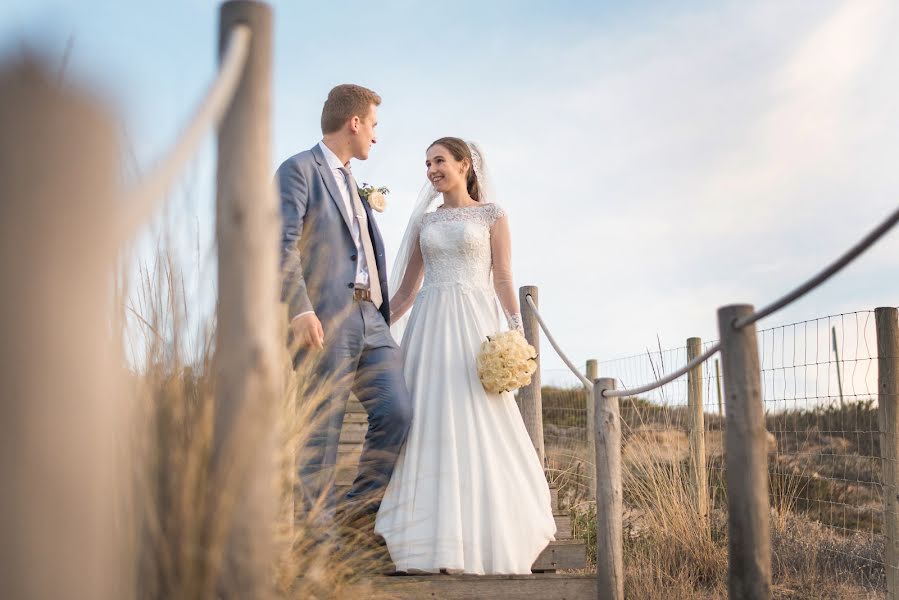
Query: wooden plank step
(494, 587)
(355, 418)
(353, 435)
(346, 473)
(563, 526)
(356, 423)
(351, 463)
(562, 554)
(354, 406)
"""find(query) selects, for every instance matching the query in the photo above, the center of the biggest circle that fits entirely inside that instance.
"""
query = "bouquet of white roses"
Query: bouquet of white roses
(506, 362)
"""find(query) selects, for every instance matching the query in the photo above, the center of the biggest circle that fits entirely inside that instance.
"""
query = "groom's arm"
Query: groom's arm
(294, 192)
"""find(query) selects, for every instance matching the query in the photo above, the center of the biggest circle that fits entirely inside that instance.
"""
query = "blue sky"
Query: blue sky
(657, 160)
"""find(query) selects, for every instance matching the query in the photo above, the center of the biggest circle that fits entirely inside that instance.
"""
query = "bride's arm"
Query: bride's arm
(501, 248)
(405, 296)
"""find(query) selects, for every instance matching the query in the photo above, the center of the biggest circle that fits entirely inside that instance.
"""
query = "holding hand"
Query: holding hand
(307, 331)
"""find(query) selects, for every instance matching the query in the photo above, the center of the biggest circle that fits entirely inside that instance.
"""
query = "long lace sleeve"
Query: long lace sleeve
(404, 297)
(501, 249)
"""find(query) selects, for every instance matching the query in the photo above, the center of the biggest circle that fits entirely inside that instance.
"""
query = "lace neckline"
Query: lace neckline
(478, 205)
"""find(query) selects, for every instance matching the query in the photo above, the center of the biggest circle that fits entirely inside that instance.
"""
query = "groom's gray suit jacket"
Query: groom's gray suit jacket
(318, 256)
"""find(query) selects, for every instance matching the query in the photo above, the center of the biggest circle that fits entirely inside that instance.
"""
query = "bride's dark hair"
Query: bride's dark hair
(460, 150)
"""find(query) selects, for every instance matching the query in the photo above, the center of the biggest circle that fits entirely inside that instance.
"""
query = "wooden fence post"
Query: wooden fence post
(592, 374)
(836, 356)
(249, 343)
(530, 399)
(63, 409)
(718, 383)
(698, 474)
(888, 413)
(287, 440)
(609, 529)
(749, 535)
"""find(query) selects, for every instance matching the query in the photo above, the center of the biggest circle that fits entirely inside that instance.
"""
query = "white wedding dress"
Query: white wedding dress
(468, 493)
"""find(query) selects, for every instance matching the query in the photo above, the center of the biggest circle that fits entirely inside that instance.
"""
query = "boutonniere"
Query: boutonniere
(377, 197)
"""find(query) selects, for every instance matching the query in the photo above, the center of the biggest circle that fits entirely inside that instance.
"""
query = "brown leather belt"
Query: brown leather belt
(362, 294)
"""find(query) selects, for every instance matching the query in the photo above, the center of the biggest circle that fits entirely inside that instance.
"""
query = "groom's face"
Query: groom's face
(364, 129)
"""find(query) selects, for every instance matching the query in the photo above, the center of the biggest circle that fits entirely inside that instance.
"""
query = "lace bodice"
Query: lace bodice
(455, 245)
(458, 248)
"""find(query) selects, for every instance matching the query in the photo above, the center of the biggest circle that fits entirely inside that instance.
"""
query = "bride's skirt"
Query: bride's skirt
(468, 493)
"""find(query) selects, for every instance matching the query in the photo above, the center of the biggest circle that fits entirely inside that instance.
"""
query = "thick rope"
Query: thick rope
(824, 275)
(587, 383)
(666, 379)
(619, 393)
(146, 194)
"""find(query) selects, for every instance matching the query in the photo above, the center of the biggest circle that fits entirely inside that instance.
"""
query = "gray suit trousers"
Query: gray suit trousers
(361, 357)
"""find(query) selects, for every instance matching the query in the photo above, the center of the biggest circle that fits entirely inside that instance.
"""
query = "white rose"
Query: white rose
(378, 201)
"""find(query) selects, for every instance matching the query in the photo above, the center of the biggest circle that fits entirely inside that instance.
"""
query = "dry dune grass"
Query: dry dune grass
(183, 509)
(670, 552)
(117, 487)
(73, 524)
(669, 547)
(656, 445)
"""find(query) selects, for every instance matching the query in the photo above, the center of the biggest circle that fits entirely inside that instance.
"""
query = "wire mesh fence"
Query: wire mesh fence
(819, 387)
(568, 461)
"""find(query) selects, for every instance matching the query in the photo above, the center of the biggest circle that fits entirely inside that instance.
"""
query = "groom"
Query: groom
(335, 284)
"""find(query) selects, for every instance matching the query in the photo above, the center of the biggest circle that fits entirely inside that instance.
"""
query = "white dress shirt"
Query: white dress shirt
(362, 276)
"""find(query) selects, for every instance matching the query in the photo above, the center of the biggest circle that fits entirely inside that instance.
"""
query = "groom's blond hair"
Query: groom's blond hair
(345, 102)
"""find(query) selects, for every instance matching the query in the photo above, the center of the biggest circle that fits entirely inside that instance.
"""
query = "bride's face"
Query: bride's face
(444, 171)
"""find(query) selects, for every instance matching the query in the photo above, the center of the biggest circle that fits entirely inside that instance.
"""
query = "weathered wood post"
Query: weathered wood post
(609, 529)
(749, 535)
(287, 440)
(888, 413)
(698, 474)
(62, 410)
(718, 384)
(530, 399)
(592, 375)
(836, 355)
(248, 345)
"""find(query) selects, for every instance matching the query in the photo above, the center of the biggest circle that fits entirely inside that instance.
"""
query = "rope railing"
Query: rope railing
(666, 379)
(549, 336)
(145, 195)
(618, 393)
(746, 455)
(824, 275)
(775, 306)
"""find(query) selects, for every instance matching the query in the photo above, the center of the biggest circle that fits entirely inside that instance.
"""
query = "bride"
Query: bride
(468, 493)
